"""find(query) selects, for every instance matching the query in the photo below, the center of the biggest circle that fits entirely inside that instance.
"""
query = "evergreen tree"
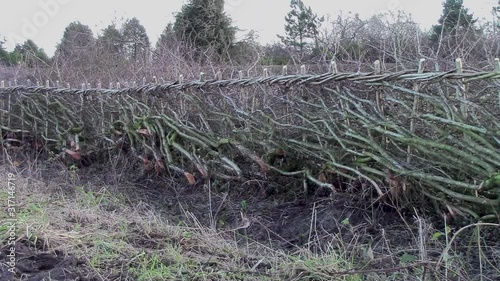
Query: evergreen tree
(77, 45)
(455, 20)
(111, 41)
(496, 14)
(166, 42)
(4, 55)
(246, 50)
(110, 54)
(30, 54)
(276, 54)
(167, 38)
(204, 25)
(135, 40)
(301, 25)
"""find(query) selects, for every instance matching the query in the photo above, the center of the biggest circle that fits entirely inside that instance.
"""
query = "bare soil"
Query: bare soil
(34, 264)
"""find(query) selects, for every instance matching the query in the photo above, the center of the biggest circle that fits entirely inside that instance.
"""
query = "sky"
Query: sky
(44, 21)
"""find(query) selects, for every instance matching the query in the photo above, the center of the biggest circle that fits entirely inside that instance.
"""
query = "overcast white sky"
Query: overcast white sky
(44, 21)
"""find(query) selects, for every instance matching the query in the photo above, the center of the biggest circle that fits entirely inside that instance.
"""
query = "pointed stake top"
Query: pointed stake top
(421, 65)
(376, 65)
(459, 64)
(333, 67)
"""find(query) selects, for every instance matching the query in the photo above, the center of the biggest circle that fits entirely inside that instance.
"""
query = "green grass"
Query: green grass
(153, 269)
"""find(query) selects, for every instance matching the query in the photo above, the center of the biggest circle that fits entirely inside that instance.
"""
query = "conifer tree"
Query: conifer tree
(4, 55)
(204, 25)
(301, 26)
(136, 41)
(30, 54)
(77, 45)
(455, 21)
(111, 41)
(76, 38)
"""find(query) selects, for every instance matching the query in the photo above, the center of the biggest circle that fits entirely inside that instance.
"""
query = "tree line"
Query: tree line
(203, 34)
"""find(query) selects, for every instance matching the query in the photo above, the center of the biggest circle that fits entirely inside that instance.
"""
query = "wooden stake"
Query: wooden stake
(333, 67)
(416, 88)
(459, 64)
(380, 107)
(2, 85)
(376, 66)
(461, 92)
(497, 69)
(379, 98)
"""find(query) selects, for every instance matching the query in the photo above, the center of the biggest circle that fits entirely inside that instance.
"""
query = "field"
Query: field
(117, 224)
